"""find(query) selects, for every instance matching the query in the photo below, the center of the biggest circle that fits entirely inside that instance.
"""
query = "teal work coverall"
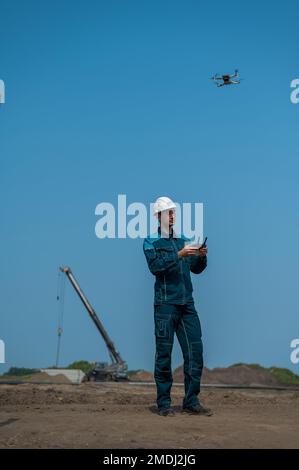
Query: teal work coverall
(174, 312)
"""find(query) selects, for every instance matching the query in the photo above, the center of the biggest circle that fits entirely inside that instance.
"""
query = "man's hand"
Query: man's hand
(192, 251)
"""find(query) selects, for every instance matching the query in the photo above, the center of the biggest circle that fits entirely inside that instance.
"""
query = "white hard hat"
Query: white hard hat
(163, 203)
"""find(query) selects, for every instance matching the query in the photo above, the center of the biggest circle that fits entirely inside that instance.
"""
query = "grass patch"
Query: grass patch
(85, 366)
(19, 372)
(284, 376)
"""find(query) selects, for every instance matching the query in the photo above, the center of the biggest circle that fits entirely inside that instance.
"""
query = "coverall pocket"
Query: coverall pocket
(167, 252)
(162, 328)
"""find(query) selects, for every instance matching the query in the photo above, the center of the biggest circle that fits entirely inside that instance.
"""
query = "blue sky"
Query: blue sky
(106, 98)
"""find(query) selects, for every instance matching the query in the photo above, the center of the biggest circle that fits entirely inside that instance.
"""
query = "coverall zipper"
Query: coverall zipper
(165, 294)
(181, 266)
(181, 269)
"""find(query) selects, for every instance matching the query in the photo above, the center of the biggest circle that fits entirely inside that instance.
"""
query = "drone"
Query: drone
(227, 79)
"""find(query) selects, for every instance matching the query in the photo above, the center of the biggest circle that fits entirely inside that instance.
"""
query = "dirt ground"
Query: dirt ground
(123, 415)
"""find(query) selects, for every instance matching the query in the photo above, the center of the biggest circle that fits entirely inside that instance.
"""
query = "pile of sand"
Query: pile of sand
(40, 377)
(141, 376)
(43, 377)
(236, 375)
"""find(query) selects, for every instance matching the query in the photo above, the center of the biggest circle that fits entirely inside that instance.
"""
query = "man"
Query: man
(171, 262)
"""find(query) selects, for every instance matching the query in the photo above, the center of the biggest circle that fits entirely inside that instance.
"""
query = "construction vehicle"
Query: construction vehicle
(102, 371)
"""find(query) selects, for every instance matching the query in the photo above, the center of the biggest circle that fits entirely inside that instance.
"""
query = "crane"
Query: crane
(102, 371)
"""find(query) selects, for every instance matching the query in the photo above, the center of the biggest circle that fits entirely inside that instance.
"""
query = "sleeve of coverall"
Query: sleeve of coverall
(198, 264)
(158, 261)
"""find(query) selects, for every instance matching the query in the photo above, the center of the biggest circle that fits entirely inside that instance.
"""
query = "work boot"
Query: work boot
(166, 411)
(197, 409)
